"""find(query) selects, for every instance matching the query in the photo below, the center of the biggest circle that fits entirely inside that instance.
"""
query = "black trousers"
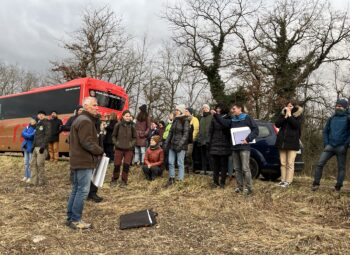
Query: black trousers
(152, 172)
(109, 150)
(93, 190)
(219, 164)
(205, 158)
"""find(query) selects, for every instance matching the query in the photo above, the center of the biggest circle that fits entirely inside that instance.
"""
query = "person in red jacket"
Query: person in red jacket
(154, 158)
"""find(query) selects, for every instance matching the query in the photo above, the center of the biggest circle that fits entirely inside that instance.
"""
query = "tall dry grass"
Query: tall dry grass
(193, 219)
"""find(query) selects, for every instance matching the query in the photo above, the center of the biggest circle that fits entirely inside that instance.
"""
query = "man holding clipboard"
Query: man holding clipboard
(240, 146)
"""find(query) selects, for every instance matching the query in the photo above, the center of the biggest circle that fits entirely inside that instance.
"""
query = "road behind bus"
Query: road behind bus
(193, 219)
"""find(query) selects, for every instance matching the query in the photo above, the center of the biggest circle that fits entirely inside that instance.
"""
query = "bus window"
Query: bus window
(62, 100)
(108, 100)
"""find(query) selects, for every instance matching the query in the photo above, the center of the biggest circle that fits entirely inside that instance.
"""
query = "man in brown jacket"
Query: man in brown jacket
(84, 153)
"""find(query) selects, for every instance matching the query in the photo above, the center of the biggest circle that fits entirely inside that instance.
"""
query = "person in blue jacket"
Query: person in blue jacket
(27, 147)
(336, 139)
(241, 151)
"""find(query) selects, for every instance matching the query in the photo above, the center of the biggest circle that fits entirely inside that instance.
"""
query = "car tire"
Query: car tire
(254, 168)
(271, 176)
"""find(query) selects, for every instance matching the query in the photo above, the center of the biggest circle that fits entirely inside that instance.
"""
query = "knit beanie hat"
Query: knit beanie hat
(143, 108)
(190, 110)
(181, 108)
(343, 102)
(156, 138)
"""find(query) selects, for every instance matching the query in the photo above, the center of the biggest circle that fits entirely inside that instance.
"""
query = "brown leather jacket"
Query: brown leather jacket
(83, 141)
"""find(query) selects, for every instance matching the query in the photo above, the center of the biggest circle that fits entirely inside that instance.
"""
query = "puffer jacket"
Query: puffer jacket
(83, 141)
(28, 135)
(220, 138)
(124, 136)
(178, 135)
(289, 133)
(42, 134)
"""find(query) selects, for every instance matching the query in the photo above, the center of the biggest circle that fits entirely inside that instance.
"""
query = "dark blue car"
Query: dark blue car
(264, 156)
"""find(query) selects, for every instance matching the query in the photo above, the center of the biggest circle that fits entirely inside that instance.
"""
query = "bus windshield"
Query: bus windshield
(108, 100)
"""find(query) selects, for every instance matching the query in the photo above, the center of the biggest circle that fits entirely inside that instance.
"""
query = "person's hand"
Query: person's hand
(41, 150)
(244, 141)
(212, 112)
(149, 166)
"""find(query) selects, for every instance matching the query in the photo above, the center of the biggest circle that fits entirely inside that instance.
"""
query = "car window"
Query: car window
(263, 131)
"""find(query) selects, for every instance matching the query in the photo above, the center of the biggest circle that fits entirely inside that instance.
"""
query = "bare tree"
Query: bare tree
(293, 39)
(205, 29)
(15, 79)
(99, 48)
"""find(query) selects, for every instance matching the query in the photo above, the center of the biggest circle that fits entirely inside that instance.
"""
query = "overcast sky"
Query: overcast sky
(31, 30)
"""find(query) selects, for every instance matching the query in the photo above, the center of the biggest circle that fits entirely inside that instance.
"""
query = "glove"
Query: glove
(41, 150)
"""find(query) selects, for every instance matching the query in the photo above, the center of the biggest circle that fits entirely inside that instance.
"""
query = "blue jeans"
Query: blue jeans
(328, 152)
(180, 162)
(80, 190)
(242, 169)
(27, 159)
(139, 154)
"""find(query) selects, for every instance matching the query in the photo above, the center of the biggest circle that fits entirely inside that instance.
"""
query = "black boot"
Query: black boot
(95, 198)
(170, 182)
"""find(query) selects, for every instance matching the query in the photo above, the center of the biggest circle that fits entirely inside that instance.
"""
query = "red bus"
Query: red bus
(16, 109)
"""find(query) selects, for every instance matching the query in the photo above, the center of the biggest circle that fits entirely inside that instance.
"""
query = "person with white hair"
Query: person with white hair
(84, 153)
(203, 136)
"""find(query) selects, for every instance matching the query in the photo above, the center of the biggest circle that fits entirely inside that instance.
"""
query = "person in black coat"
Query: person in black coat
(107, 141)
(55, 124)
(219, 147)
(288, 140)
(241, 151)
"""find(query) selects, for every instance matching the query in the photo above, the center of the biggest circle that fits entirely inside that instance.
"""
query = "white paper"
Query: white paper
(99, 173)
(240, 134)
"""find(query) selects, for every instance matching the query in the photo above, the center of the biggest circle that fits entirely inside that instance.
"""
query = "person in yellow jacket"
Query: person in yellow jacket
(165, 136)
(194, 130)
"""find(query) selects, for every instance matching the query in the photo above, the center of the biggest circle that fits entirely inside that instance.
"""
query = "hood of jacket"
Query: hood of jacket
(296, 111)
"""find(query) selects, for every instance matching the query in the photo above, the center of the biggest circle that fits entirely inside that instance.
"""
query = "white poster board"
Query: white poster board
(99, 173)
(240, 134)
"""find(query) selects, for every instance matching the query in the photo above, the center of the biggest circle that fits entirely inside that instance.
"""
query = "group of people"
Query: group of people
(158, 145)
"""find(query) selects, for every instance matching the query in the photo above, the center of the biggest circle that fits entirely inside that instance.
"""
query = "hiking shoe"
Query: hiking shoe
(315, 187)
(24, 179)
(28, 180)
(238, 190)
(281, 183)
(122, 184)
(214, 185)
(170, 182)
(113, 183)
(222, 185)
(247, 192)
(285, 185)
(79, 225)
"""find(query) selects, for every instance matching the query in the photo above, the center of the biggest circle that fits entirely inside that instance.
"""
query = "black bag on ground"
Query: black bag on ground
(145, 218)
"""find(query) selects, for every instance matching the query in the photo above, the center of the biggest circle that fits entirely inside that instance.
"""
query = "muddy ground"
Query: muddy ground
(193, 219)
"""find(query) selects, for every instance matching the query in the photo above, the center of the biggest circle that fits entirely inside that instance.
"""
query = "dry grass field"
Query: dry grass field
(193, 219)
